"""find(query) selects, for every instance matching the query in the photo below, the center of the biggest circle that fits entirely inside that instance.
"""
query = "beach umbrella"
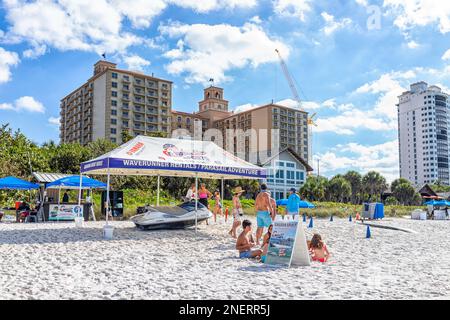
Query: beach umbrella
(306, 205)
(74, 182)
(13, 183)
(303, 204)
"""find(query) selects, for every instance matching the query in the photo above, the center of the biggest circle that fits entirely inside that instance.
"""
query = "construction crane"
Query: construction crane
(310, 121)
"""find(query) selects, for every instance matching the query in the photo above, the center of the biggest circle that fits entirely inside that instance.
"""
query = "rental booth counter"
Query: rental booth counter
(68, 211)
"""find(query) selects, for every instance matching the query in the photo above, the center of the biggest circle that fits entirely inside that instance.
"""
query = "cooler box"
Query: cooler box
(440, 215)
(419, 215)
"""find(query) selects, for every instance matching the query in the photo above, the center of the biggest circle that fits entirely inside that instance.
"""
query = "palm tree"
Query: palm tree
(374, 184)
(314, 188)
(339, 189)
(355, 180)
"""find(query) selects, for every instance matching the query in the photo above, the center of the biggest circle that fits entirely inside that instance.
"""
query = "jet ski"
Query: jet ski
(169, 217)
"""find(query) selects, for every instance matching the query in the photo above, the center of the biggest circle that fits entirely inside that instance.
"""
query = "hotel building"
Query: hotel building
(423, 134)
(112, 101)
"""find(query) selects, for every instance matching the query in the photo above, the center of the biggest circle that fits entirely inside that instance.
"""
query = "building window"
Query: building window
(114, 84)
(114, 94)
(113, 121)
(114, 75)
(113, 131)
(114, 112)
(114, 103)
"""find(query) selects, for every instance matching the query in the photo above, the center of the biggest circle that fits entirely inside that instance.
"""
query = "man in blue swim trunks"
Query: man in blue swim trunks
(245, 244)
(264, 208)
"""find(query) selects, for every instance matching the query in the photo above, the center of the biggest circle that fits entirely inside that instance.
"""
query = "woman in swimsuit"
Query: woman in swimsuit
(266, 241)
(318, 249)
(203, 195)
(237, 211)
(217, 205)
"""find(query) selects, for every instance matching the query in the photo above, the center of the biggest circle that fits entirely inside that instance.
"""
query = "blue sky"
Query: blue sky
(350, 60)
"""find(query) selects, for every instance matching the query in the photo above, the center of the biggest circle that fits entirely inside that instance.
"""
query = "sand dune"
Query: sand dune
(58, 261)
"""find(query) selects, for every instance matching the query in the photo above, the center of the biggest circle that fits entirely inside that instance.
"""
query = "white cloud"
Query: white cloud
(6, 106)
(350, 119)
(289, 103)
(446, 55)
(292, 8)
(54, 121)
(8, 59)
(382, 158)
(28, 103)
(92, 25)
(25, 103)
(35, 52)
(209, 51)
(331, 25)
(245, 107)
(389, 86)
(411, 13)
(204, 6)
(136, 62)
(68, 25)
(413, 44)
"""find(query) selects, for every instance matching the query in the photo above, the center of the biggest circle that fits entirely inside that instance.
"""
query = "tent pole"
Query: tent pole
(221, 196)
(159, 185)
(79, 192)
(107, 197)
(196, 200)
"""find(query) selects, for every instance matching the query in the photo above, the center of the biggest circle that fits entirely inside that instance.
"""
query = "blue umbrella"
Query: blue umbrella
(306, 205)
(13, 183)
(74, 182)
(438, 203)
(303, 204)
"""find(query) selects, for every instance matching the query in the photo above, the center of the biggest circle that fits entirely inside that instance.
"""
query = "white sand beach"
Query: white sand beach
(59, 261)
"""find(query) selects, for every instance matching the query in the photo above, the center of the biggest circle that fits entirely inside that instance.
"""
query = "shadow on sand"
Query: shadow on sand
(47, 233)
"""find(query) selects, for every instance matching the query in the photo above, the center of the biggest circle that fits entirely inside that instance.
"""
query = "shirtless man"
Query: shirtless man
(264, 210)
(244, 243)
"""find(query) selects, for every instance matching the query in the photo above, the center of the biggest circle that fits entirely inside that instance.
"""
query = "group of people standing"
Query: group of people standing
(203, 195)
(266, 212)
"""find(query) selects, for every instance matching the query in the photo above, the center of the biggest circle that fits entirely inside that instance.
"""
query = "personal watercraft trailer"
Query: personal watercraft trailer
(148, 156)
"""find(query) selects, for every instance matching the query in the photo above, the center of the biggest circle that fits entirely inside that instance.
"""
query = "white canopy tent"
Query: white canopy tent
(171, 157)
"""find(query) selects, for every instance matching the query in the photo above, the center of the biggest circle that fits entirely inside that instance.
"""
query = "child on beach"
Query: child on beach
(245, 243)
(318, 249)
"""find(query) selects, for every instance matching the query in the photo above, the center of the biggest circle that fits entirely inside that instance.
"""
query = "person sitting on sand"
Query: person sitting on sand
(318, 249)
(266, 241)
(237, 211)
(245, 243)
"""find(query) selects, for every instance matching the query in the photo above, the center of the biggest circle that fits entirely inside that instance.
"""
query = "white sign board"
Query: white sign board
(64, 212)
(288, 245)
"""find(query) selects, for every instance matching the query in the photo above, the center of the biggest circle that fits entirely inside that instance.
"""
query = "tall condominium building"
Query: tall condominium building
(423, 134)
(115, 100)
(213, 113)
